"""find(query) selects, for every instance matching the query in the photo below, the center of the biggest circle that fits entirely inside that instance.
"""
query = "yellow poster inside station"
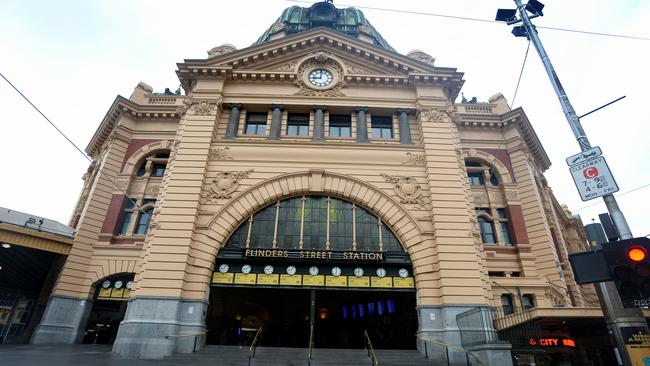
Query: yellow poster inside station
(104, 293)
(336, 281)
(127, 293)
(245, 278)
(218, 277)
(399, 282)
(290, 280)
(381, 282)
(267, 279)
(117, 293)
(363, 281)
(317, 280)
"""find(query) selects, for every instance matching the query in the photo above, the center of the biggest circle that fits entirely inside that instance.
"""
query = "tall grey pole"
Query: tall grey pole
(617, 316)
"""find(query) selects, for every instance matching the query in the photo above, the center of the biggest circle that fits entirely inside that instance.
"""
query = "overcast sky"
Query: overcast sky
(72, 58)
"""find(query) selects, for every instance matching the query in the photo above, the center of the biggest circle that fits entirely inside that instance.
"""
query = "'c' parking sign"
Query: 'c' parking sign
(593, 178)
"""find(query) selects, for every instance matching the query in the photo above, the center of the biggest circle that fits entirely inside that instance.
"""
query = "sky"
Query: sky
(72, 58)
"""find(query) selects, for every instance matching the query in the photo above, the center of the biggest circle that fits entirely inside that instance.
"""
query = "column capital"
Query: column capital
(321, 107)
(234, 105)
(361, 109)
(404, 110)
(277, 106)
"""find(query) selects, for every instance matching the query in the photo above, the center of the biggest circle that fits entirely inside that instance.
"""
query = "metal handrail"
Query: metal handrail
(311, 344)
(447, 346)
(253, 346)
(371, 351)
(183, 335)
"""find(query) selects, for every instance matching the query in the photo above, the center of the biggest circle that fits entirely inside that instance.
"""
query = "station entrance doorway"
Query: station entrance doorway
(340, 317)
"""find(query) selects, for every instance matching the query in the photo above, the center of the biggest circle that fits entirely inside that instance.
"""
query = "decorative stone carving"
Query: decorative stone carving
(287, 67)
(434, 115)
(205, 107)
(414, 159)
(421, 56)
(152, 190)
(320, 59)
(512, 195)
(352, 69)
(224, 185)
(223, 49)
(220, 154)
(407, 188)
(480, 198)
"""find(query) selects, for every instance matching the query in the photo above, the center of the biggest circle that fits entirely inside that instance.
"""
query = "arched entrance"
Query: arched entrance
(313, 266)
(109, 308)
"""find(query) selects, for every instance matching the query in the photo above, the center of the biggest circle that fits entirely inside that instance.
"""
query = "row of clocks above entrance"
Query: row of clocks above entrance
(315, 270)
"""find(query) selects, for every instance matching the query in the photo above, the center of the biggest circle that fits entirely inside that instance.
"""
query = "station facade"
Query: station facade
(319, 184)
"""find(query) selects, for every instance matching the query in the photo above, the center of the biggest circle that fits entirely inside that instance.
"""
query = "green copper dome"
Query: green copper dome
(349, 21)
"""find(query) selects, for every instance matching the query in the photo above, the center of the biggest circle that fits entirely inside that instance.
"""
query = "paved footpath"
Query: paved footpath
(80, 355)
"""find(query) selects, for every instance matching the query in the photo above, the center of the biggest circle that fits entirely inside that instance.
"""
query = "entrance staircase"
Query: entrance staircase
(282, 356)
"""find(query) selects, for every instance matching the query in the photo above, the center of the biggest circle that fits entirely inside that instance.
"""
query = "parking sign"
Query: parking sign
(593, 178)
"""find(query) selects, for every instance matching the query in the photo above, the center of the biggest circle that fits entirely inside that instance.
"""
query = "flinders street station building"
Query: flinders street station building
(324, 191)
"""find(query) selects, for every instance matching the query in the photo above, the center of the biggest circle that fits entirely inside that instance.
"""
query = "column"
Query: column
(319, 123)
(233, 121)
(362, 125)
(276, 121)
(404, 128)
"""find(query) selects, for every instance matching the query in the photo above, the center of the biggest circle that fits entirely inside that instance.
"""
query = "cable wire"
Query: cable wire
(520, 74)
(66, 137)
(619, 195)
(639, 38)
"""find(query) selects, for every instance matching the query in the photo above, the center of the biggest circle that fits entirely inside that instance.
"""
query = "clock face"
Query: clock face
(246, 268)
(268, 269)
(403, 272)
(291, 270)
(224, 268)
(381, 272)
(358, 271)
(129, 285)
(118, 284)
(336, 271)
(320, 77)
(313, 270)
(106, 284)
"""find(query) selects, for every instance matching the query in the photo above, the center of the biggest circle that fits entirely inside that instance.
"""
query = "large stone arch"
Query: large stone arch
(389, 210)
(132, 163)
(501, 168)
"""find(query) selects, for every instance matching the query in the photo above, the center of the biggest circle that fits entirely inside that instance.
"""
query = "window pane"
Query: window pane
(504, 232)
(289, 223)
(298, 124)
(367, 230)
(340, 125)
(158, 170)
(476, 179)
(256, 124)
(506, 302)
(382, 127)
(263, 228)
(340, 225)
(390, 241)
(141, 169)
(501, 212)
(315, 222)
(126, 220)
(142, 226)
(487, 231)
(238, 238)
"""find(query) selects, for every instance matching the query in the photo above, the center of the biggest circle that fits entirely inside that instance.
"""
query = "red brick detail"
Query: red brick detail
(134, 146)
(516, 224)
(503, 157)
(118, 202)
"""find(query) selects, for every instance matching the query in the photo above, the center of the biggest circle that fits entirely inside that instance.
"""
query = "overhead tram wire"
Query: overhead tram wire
(68, 139)
(412, 12)
(618, 195)
(523, 64)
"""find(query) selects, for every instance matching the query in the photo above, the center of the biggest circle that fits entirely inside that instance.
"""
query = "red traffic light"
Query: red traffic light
(636, 254)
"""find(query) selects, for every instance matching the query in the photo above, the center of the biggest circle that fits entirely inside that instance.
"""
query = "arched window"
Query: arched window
(479, 172)
(154, 165)
(315, 222)
(141, 210)
(494, 229)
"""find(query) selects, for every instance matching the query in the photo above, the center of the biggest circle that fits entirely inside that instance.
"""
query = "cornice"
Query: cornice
(123, 105)
(236, 65)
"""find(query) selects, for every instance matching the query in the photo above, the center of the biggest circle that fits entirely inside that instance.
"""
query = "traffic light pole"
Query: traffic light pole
(617, 316)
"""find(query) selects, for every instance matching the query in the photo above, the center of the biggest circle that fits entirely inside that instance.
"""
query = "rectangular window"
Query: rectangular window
(382, 127)
(527, 301)
(505, 233)
(158, 169)
(127, 216)
(298, 124)
(506, 302)
(256, 124)
(487, 231)
(476, 178)
(340, 125)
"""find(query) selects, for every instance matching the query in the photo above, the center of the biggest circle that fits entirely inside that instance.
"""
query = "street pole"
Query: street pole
(617, 316)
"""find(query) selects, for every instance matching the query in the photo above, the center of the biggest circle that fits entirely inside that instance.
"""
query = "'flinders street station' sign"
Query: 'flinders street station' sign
(314, 254)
